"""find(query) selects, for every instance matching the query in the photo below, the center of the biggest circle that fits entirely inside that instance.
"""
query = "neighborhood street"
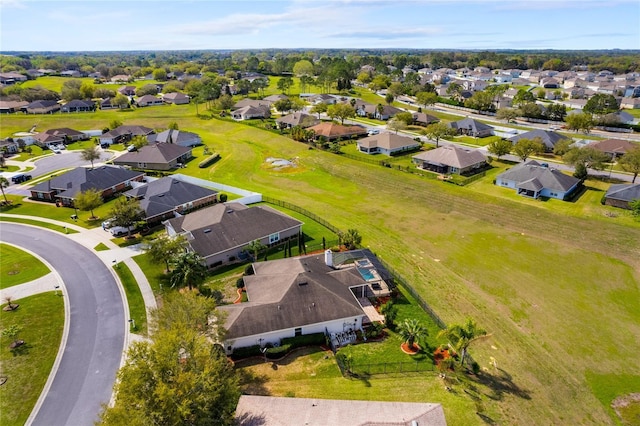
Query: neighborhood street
(96, 328)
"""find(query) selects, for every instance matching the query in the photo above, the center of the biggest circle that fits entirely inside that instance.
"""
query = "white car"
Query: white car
(118, 231)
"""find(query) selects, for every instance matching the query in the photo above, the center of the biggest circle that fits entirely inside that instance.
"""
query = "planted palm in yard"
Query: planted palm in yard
(411, 330)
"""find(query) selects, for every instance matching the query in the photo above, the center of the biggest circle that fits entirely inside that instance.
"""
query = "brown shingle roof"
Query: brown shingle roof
(618, 146)
(333, 130)
(452, 156)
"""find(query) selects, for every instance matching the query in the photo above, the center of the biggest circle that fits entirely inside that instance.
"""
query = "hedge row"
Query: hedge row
(286, 346)
(209, 160)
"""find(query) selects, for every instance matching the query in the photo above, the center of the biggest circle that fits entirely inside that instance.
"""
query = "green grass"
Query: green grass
(609, 386)
(9, 169)
(476, 141)
(101, 247)
(154, 271)
(531, 273)
(27, 368)
(55, 83)
(137, 310)
(39, 223)
(18, 266)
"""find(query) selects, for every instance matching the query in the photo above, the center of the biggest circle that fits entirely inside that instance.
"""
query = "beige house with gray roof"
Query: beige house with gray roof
(451, 159)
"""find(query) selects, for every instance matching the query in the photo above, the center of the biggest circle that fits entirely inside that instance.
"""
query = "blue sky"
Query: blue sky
(422, 24)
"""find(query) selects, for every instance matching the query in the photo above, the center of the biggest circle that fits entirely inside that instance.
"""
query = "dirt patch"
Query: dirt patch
(627, 407)
(14, 272)
(440, 355)
(410, 350)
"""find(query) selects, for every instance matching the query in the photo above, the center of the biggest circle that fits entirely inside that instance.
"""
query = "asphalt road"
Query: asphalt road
(92, 355)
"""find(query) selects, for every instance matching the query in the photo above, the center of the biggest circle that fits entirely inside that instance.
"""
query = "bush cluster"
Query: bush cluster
(209, 161)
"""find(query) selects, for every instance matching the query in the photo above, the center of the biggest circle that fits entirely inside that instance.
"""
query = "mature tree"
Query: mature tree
(508, 114)
(165, 249)
(351, 239)
(320, 108)
(173, 126)
(524, 148)
(305, 82)
(454, 90)
(523, 96)
(91, 154)
(380, 81)
(364, 77)
(462, 336)
(71, 90)
(255, 247)
(88, 201)
(581, 121)
(303, 68)
(181, 377)
(556, 112)
(426, 98)
(390, 312)
(411, 330)
(125, 212)
(531, 110)
(87, 90)
(436, 131)
(396, 124)
(388, 98)
(114, 124)
(482, 101)
(160, 74)
(601, 104)
(147, 89)
(500, 147)
(630, 162)
(284, 84)
(282, 105)
(497, 90)
(589, 157)
(562, 146)
(189, 271)
(341, 111)
(297, 104)
(580, 171)
(406, 117)
(396, 89)
(4, 183)
(121, 101)
(224, 102)
(139, 141)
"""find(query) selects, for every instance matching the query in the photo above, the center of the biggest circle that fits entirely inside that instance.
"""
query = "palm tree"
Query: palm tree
(4, 183)
(189, 271)
(411, 330)
(461, 336)
(256, 247)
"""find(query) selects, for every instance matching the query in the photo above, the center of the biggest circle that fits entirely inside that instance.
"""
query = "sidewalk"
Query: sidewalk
(90, 238)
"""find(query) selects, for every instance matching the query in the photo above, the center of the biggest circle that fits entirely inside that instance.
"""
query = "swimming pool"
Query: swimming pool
(367, 274)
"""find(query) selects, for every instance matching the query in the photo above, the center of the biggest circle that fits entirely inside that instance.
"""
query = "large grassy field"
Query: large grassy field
(556, 284)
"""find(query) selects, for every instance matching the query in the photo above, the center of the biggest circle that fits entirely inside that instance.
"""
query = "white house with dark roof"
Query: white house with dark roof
(301, 295)
(387, 143)
(532, 179)
(255, 410)
(124, 134)
(162, 198)
(451, 159)
(176, 137)
(220, 233)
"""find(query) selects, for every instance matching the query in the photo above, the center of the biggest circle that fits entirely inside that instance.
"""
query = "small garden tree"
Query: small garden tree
(90, 154)
(4, 183)
(462, 336)
(390, 312)
(527, 147)
(500, 147)
(351, 239)
(165, 249)
(125, 212)
(437, 131)
(189, 271)
(89, 200)
(630, 162)
(255, 247)
(411, 330)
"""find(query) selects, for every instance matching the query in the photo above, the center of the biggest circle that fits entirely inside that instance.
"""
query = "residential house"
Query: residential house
(298, 296)
(9, 146)
(11, 77)
(296, 119)
(45, 140)
(148, 100)
(451, 159)
(220, 233)
(384, 112)
(176, 98)
(107, 103)
(60, 135)
(251, 102)
(176, 137)
(168, 197)
(120, 78)
(331, 131)
(255, 410)
(618, 117)
(549, 83)
(630, 103)
(621, 195)
(71, 73)
(127, 90)
(156, 156)
(275, 98)
(78, 105)
(124, 134)
(532, 179)
(323, 98)
(548, 138)
(614, 147)
(251, 112)
(9, 107)
(63, 189)
(387, 143)
(471, 127)
(43, 107)
(422, 119)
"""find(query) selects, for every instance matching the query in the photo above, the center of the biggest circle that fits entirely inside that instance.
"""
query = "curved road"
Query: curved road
(97, 327)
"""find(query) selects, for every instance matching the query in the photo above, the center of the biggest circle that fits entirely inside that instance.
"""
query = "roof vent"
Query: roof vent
(301, 283)
(206, 231)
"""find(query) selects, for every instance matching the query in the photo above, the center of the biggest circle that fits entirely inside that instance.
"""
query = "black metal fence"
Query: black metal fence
(386, 367)
(302, 211)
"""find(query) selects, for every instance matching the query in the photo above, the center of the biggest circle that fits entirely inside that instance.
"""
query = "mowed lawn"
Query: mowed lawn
(558, 292)
(19, 267)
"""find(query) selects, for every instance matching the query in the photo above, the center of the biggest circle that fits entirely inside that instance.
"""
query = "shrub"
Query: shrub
(306, 340)
(278, 351)
(223, 198)
(209, 161)
(246, 352)
(239, 283)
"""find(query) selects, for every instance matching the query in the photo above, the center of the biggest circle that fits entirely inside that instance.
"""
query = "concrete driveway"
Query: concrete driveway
(96, 328)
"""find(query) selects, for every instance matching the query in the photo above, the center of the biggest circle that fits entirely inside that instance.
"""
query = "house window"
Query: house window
(142, 165)
(298, 332)
(274, 238)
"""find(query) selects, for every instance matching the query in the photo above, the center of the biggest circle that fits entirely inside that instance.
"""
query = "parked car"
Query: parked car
(105, 145)
(20, 178)
(131, 148)
(372, 132)
(107, 224)
(119, 231)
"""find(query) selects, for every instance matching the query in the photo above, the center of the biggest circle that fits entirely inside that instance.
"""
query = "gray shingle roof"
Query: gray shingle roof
(297, 119)
(222, 227)
(165, 194)
(452, 156)
(179, 137)
(469, 123)
(158, 153)
(293, 292)
(548, 138)
(388, 140)
(624, 192)
(82, 178)
(134, 130)
(531, 171)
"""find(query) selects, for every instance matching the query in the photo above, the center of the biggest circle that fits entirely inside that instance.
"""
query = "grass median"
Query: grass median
(19, 267)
